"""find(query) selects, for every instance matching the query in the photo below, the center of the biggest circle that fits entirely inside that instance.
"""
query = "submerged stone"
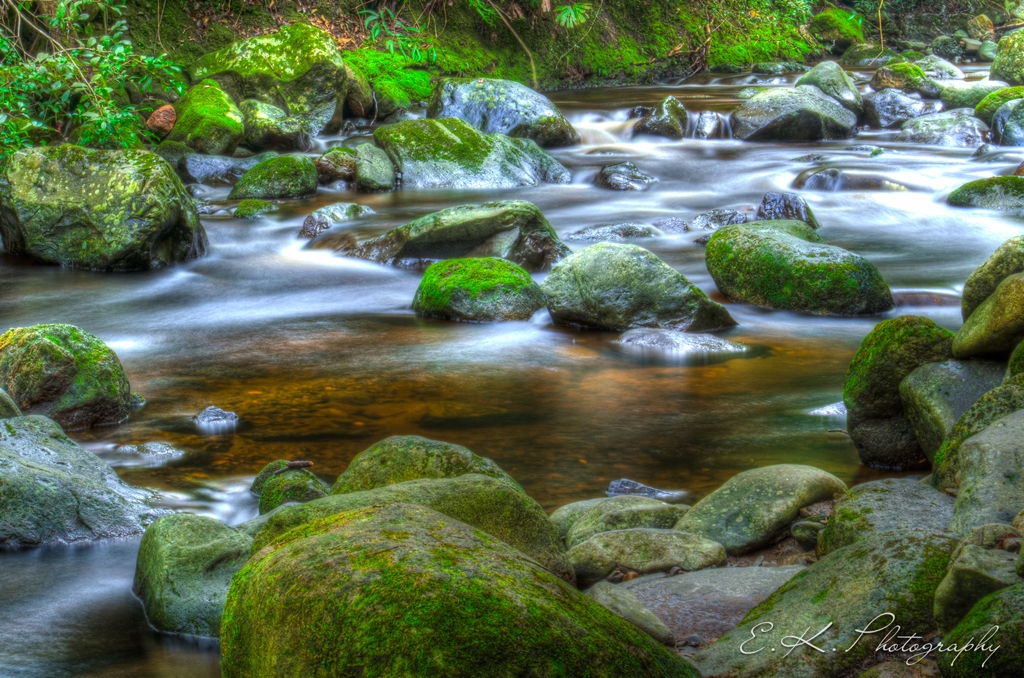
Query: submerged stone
(324, 218)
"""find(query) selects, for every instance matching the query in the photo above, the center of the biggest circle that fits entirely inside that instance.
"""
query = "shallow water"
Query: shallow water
(321, 356)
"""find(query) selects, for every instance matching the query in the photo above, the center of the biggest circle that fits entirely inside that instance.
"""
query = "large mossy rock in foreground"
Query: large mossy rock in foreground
(451, 153)
(208, 120)
(510, 229)
(497, 508)
(1003, 609)
(477, 290)
(405, 591)
(887, 505)
(281, 177)
(609, 286)
(754, 507)
(1005, 261)
(896, 572)
(52, 491)
(184, 571)
(400, 458)
(502, 107)
(99, 210)
(804, 113)
(875, 416)
(64, 373)
(786, 265)
(994, 193)
(297, 69)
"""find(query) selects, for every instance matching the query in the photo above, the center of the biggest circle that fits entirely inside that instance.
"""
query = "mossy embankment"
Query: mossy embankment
(619, 42)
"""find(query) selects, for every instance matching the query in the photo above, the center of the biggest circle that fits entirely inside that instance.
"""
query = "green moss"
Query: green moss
(992, 102)
(208, 120)
(252, 209)
(911, 55)
(283, 176)
(477, 289)
(1005, 193)
(837, 25)
(395, 78)
(295, 485)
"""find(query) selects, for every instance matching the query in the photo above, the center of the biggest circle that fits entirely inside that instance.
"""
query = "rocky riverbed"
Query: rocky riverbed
(398, 361)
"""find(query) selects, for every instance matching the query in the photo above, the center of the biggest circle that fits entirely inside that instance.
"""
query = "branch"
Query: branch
(501, 15)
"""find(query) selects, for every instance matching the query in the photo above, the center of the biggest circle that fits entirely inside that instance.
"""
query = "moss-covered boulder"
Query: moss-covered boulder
(54, 492)
(1007, 260)
(297, 69)
(66, 374)
(754, 507)
(484, 289)
(502, 107)
(903, 76)
(297, 485)
(321, 219)
(974, 573)
(1009, 62)
(935, 396)
(830, 78)
(623, 513)
(959, 94)
(997, 325)
(451, 153)
(937, 68)
(374, 172)
(184, 570)
(401, 458)
(644, 550)
(842, 593)
(867, 54)
(610, 286)
(359, 101)
(837, 28)
(993, 101)
(217, 170)
(268, 128)
(804, 113)
(888, 505)
(99, 210)
(208, 120)
(8, 408)
(989, 408)
(891, 107)
(285, 176)
(510, 229)
(668, 119)
(956, 128)
(991, 482)
(337, 164)
(564, 517)
(786, 265)
(995, 621)
(875, 416)
(408, 591)
(994, 193)
(489, 504)
(253, 209)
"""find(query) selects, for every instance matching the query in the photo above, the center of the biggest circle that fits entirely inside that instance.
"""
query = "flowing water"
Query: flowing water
(321, 356)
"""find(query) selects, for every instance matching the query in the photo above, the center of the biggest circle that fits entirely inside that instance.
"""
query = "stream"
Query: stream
(321, 356)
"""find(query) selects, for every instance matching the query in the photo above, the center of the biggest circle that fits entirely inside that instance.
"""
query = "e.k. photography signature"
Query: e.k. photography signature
(892, 642)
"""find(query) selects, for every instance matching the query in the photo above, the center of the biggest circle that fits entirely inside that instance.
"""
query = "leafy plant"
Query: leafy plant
(570, 16)
(74, 88)
(407, 39)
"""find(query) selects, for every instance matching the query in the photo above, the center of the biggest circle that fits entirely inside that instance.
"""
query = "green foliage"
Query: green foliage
(408, 39)
(74, 89)
(570, 16)
(392, 76)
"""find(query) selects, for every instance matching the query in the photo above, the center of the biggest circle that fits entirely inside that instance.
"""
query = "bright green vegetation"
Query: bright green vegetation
(294, 485)
(208, 120)
(996, 193)
(839, 26)
(284, 176)
(397, 80)
(478, 289)
(252, 209)
(65, 373)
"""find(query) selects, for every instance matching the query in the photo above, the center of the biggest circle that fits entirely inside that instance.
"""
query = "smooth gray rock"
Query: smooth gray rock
(624, 513)
(374, 172)
(956, 128)
(804, 113)
(830, 78)
(754, 507)
(710, 602)
(625, 486)
(564, 517)
(991, 475)
(974, 573)
(623, 603)
(935, 395)
(624, 176)
(645, 550)
(891, 107)
(785, 206)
